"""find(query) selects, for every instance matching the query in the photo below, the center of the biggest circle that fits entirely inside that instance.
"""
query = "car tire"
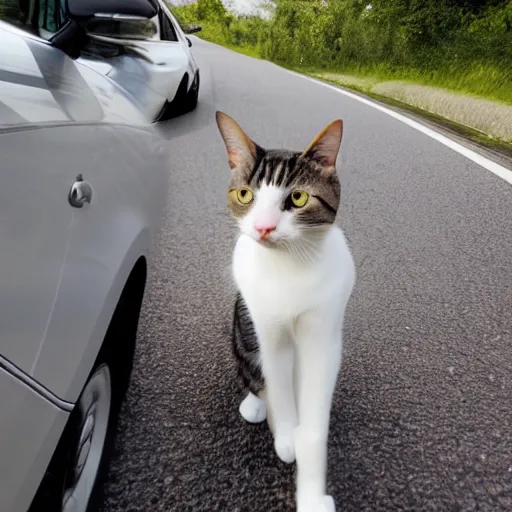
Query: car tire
(89, 440)
(74, 479)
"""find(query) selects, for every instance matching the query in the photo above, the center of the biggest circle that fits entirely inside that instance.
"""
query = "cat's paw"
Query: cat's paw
(316, 504)
(285, 447)
(253, 409)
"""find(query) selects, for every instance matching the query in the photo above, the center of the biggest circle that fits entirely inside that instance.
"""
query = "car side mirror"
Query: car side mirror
(106, 19)
(193, 29)
(81, 11)
(189, 42)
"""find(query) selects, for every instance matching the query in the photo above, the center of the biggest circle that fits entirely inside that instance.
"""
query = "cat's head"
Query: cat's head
(280, 197)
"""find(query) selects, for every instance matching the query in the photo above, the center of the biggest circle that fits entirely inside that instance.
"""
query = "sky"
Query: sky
(240, 6)
(245, 6)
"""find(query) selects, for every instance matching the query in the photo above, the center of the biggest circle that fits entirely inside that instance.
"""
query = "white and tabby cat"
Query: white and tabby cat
(295, 274)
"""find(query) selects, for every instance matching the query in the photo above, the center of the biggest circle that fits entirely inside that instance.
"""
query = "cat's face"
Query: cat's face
(281, 197)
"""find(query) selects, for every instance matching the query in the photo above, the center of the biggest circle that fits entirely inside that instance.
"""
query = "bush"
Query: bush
(462, 44)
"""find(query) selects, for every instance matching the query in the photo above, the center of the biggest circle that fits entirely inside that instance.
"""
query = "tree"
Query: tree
(212, 10)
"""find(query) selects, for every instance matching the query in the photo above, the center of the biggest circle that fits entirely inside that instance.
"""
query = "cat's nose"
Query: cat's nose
(266, 222)
(264, 231)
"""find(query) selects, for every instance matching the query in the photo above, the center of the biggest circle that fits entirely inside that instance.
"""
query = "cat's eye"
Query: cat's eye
(244, 195)
(299, 198)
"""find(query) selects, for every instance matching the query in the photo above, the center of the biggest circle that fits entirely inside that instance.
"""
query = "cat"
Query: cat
(294, 274)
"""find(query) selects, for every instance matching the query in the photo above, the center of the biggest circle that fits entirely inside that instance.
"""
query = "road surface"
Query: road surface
(422, 417)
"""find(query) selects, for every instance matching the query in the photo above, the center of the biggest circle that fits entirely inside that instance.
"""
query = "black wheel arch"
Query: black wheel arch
(173, 107)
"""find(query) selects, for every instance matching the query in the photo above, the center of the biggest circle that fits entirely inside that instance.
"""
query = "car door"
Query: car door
(51, 130)
(37, 114)
(124, 168)
(36, 217)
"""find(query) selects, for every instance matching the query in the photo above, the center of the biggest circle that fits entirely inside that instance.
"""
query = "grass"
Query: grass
(486, 81)
(501, 147)
(483, 79)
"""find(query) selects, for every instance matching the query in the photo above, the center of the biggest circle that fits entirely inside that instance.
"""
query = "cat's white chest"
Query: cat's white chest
(268, 283)
(273, 283)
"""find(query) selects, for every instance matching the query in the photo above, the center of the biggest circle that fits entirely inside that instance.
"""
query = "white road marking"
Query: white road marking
(495, 168)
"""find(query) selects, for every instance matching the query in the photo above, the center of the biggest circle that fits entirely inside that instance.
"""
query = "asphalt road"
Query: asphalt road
(422, 418)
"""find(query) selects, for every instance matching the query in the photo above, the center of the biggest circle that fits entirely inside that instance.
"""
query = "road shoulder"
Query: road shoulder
(482, 121)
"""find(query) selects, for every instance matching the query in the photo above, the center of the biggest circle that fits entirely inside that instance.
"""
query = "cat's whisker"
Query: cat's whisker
(307, 249)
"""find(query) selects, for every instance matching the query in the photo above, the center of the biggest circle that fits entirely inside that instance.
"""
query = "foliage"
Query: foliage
(460, 44)
(10, 10)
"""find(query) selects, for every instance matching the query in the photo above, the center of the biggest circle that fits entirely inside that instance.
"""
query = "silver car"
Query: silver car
(82, 190)
(151, 58)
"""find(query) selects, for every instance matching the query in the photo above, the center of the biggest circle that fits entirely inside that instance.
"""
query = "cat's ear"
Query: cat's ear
(242, 150)
(325, 146)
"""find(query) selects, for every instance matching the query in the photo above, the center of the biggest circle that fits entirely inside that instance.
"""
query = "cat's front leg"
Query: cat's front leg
(277, 357)
(318, 359)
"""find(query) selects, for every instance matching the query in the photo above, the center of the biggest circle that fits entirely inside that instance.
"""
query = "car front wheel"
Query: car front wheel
(87, 446)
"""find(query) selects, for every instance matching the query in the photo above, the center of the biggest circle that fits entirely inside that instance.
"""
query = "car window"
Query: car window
(52, 15)
(167, 33)
(40, 17)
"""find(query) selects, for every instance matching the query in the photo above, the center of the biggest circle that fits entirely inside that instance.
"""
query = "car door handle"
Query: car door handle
(80, 193)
